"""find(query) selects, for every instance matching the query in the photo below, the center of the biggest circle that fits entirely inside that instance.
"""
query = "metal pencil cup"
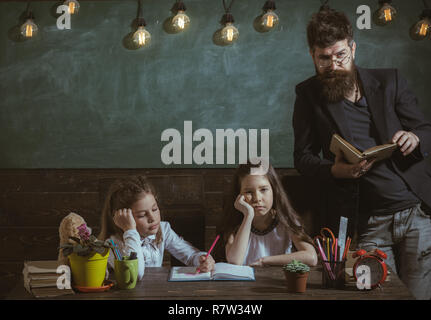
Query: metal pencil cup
(333, 274)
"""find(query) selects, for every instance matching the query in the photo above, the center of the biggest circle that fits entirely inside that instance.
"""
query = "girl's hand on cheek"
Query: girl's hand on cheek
(206, 264)
(242, 206)
(124, 219)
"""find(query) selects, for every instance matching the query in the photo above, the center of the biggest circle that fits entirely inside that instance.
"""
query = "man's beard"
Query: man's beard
(337, 84)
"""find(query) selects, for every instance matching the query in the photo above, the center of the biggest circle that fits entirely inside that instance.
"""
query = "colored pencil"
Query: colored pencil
(326, 264)
(209, 251)
(116, 251)
(346, 248)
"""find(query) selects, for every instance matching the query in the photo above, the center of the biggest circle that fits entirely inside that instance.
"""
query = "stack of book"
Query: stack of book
(40, 279)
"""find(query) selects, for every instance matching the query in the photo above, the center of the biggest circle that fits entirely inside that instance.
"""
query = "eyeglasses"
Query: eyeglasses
(341, 60)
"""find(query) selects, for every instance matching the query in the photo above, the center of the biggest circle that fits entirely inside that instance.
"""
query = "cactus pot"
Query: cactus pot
(296, 282)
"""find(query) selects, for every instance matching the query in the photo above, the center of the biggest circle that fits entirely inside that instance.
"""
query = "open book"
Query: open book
(222, 271)
(353, 155)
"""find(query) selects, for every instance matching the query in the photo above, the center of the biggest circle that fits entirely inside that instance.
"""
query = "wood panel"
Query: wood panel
(21, 243)
(33, 202)
(47, 208)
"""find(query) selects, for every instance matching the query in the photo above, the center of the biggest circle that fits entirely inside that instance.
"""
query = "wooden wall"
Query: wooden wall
(34, 201)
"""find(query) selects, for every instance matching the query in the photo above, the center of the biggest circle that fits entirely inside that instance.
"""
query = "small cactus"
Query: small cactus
(296, 267)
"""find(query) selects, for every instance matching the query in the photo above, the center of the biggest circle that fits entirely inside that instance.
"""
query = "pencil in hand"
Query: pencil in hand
(209, 251)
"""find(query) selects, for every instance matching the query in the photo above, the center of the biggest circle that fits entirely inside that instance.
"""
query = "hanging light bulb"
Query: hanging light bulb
(386, 14)
(229, 34)
(422, 29)
(73, 6)
(141, 37)
(180, 21)
(270, 19)
(29, 28)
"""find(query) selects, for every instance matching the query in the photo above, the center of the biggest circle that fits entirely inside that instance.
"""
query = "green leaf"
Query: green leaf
(67, 251)
(84, 252)
(77, 240)
(99, 250)
(65, 245)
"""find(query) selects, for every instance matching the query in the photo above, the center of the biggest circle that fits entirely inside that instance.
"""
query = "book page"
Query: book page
(381, 152)
(349, 152)
(227, 271)
(46, 266)
(188, 274)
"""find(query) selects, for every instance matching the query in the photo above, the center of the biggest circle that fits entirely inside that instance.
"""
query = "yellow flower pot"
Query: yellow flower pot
(88, 271)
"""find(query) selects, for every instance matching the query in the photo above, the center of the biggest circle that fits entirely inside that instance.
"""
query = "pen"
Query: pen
(209, 251)
(346, 249)
(322, 254)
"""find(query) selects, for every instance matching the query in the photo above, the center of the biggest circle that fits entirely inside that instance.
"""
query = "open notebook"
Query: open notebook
(222, 271)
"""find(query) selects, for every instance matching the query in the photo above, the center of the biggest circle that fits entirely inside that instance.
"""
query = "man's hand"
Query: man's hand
(407, 141)
(343, 170)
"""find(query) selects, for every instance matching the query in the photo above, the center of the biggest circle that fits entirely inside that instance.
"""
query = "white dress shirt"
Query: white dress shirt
(151, 255)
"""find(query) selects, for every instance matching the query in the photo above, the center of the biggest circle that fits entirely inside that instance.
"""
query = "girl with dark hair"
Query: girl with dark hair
(259, 226)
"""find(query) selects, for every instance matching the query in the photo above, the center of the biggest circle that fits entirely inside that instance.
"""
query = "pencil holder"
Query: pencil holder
(333, 274)
(126, 273)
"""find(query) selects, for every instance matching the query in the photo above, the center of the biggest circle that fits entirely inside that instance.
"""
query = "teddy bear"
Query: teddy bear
(68, 228)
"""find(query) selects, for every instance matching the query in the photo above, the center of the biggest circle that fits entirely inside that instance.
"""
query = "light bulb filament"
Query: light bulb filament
(71, 7)
(28, 31)
(424, 29)
(270, 21)
(141, 38)
(388, 14)
(181, 22)
(230, 34)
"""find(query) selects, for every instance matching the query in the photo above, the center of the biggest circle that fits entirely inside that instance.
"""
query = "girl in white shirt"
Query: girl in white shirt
(259, 226)
(131, 217)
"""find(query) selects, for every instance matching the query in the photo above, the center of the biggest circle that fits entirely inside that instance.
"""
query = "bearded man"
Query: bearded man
(387, 202)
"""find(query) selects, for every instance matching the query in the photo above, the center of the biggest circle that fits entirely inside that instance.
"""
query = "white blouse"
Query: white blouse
(273, 243)
(151, 255)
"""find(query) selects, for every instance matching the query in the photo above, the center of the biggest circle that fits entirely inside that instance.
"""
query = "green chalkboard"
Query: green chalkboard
(82, 98)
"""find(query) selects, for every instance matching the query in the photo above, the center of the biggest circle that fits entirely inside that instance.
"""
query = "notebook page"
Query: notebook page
(188, 274)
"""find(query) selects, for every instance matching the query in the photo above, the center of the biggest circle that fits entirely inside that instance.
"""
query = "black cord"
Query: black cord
(425, 4)
(227, 9)
(141, 20)
(140, 14)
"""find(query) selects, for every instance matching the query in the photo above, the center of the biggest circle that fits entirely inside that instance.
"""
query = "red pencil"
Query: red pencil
(209, 251)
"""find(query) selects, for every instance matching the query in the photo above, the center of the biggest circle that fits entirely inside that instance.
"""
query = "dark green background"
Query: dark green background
(80, 99)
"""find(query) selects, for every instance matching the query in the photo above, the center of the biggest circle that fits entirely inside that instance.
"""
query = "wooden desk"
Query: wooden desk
(269, 284)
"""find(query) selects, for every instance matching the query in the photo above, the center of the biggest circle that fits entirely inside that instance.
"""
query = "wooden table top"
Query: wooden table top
(270, 284)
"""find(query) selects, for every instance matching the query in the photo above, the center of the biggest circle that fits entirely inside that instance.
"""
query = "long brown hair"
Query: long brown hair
(123, 193)
(285, 213)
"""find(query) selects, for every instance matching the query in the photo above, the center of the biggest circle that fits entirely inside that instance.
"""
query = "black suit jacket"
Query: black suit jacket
(393, 107)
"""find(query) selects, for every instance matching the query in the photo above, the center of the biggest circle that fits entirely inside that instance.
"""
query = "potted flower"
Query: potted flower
(296, 274)
(88, 258)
